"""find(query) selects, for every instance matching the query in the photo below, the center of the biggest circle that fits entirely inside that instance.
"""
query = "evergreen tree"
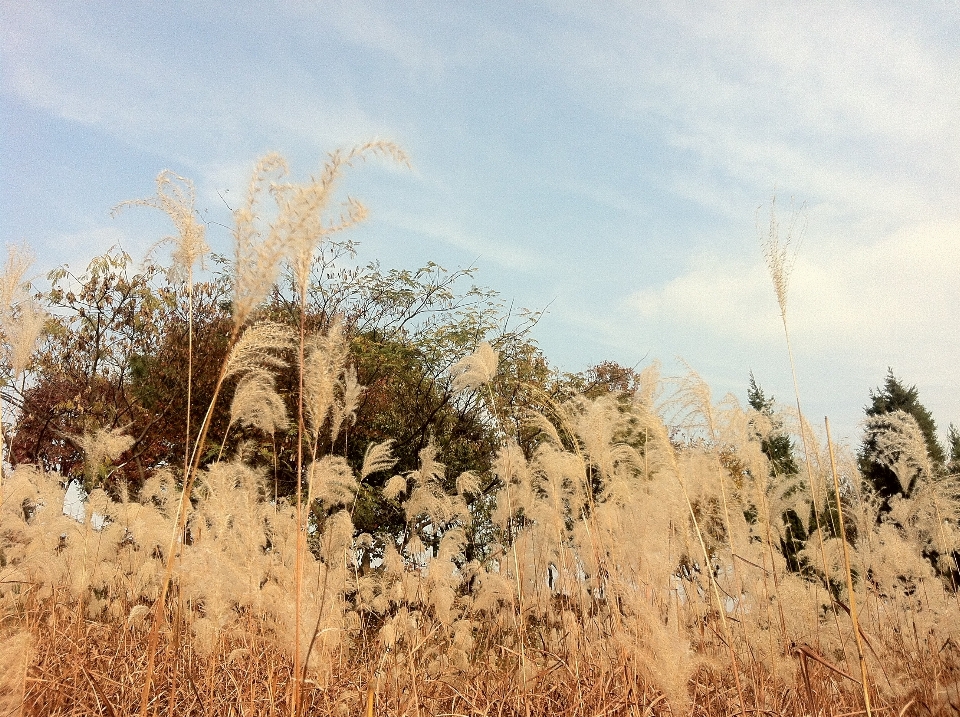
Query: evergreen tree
(954, 444)
(894, 396)
(776, 446)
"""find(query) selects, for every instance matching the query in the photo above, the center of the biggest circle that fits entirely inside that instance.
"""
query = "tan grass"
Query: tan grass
(632, 568)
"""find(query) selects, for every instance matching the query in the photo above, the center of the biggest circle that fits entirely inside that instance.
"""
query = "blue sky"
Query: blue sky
(606, 158)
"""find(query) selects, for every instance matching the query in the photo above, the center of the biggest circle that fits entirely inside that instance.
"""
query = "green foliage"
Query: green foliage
(953, 444)
(776, 444)
(895, 396)
(97, 368)
(116, 356)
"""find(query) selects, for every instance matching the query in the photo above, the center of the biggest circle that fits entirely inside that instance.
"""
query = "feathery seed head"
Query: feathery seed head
(777, 252)
(257, 348)
(23, 328)
(257, 404)
(895, 440)
(301, 218)
(21, 318)
(476, 369)
(256, 258)
(379, 457)
(394, 487)
(468, 483)
(12, 286)
(324, 368)
(332, 481)
(101, 446)
(176, 197)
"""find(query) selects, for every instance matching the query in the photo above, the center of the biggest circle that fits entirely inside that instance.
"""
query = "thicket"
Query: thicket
(317, 487)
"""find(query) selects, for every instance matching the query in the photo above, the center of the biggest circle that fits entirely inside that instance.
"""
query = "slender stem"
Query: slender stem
(160, 604)
(297, 677)
(223, 444)
(516, 563)
(716, 593)
(186, 442)
(851, 595)
(810, 477)
(2, 446)
(721, 608)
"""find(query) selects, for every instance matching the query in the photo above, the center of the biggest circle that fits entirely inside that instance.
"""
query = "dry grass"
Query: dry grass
(600, 586)
(635, 565)
(82, 666)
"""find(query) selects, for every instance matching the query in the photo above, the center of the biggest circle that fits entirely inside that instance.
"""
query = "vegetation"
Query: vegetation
(896, 420)
(311, 489)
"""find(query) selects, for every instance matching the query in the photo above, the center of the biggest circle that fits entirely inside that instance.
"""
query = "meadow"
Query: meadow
(620, 547)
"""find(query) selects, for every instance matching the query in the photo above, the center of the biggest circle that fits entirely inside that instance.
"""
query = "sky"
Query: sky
(612, 162)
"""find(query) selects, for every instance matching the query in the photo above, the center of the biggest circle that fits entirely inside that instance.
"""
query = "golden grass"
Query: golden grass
(83, 667)
(634, 564)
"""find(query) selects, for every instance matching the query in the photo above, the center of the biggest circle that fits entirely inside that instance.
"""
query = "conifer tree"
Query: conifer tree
(894, 396)
(953, 439)
(777, 446)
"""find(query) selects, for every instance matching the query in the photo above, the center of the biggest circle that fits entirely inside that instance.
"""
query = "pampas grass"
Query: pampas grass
(21, 321)
(635, 562)
(632, 603)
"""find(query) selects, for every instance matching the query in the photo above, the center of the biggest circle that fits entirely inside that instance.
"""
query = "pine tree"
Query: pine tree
(953, 439)
(894, 396)
(776, 446)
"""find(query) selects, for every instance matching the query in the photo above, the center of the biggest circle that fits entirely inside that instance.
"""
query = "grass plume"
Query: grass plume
(632, 556)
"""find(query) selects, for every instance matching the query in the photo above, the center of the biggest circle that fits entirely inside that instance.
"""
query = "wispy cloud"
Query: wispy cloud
(188, 105)
(507, 255)
(843, 299)
(840, 102)
(610, 154)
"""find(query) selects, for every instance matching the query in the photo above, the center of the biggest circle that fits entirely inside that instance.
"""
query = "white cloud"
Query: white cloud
(837, 103)
(722, 297)
(896, 297)
(177, 103)
(375, 29)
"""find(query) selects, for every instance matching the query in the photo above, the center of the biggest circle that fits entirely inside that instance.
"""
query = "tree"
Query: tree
(888, 435)
(115, 356)
(105, 364)
(895, 396)
(776, 443)
(777, 446)
(953, 439)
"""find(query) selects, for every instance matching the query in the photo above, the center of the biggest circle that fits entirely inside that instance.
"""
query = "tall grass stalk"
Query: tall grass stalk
(708, 567)
(159, 608)
(254, 273)
(176, 197)
(302, 221)
(851, 594)
(20, 322)
(780, 264)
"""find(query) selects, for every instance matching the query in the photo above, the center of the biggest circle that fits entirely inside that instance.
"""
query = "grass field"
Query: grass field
(639, 555)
